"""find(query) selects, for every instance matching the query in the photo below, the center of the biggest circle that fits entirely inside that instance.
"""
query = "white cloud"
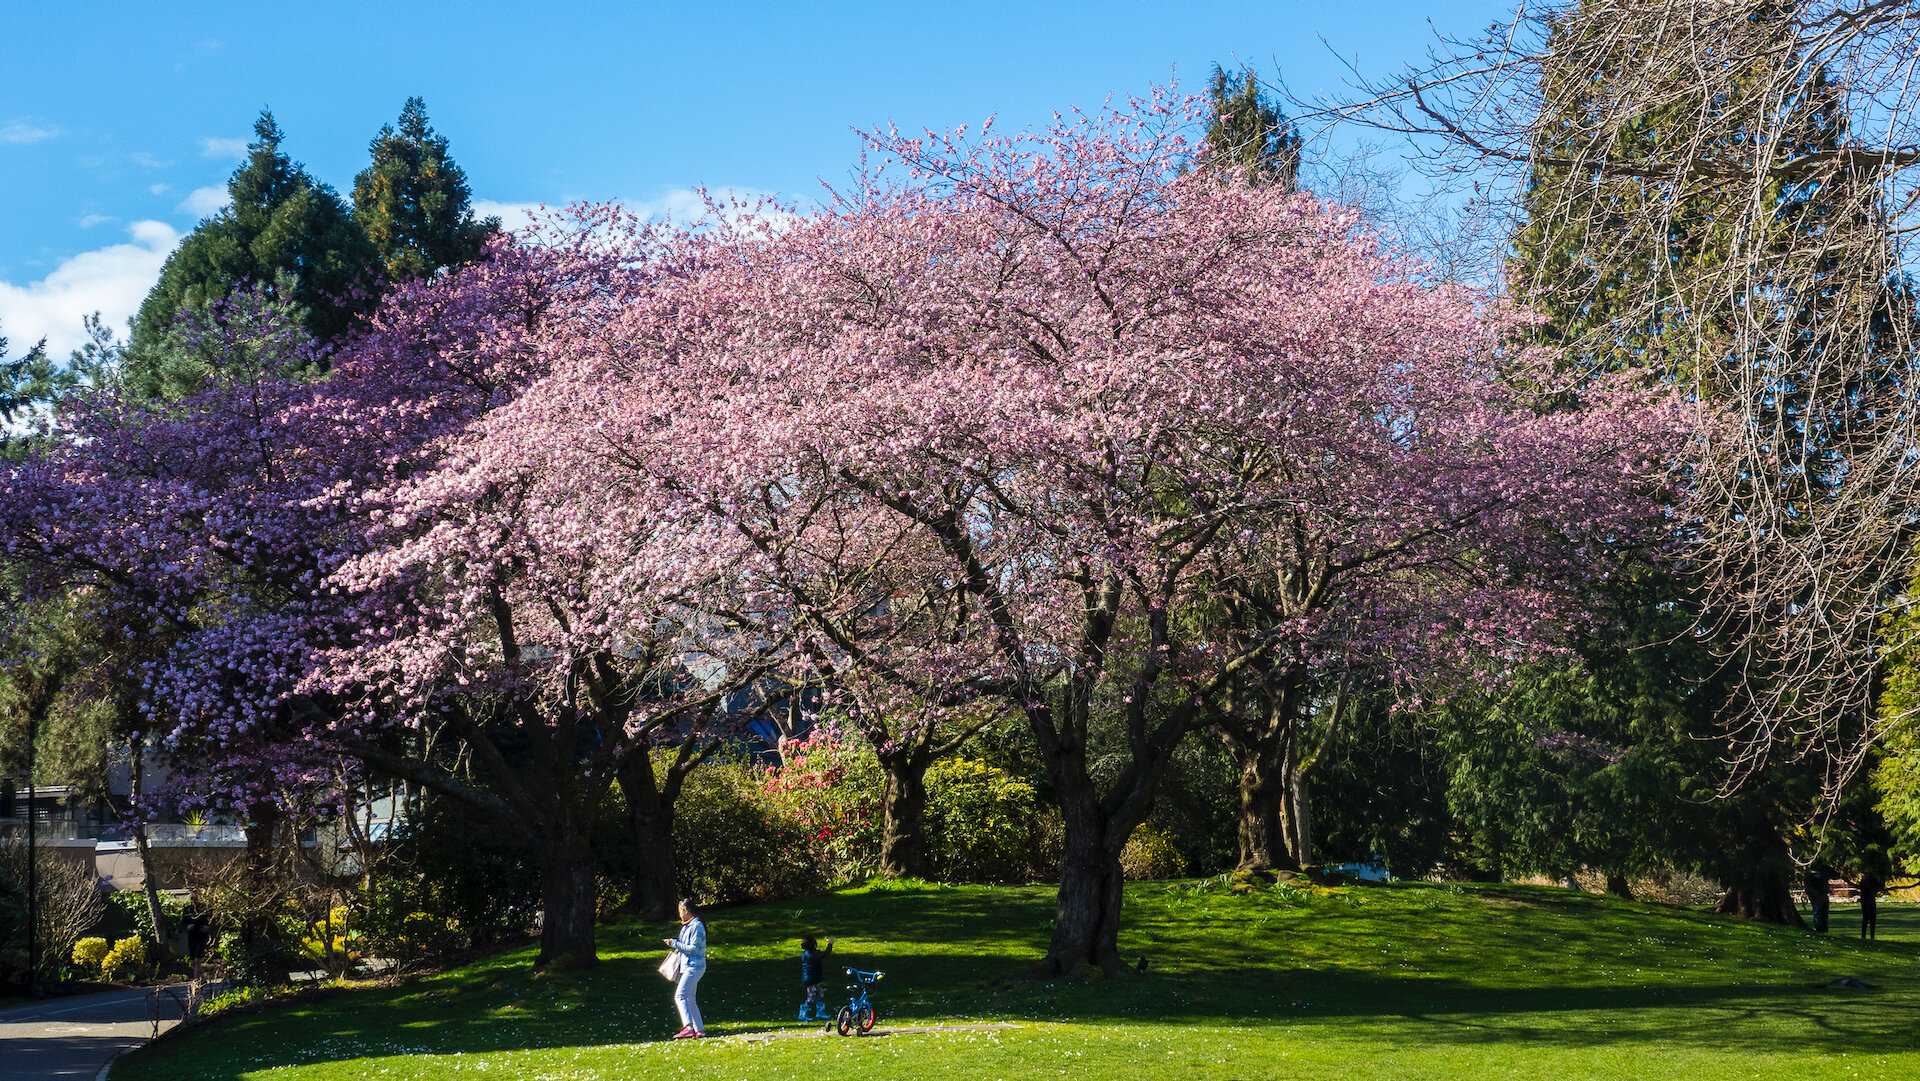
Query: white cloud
(682, 205)
(161, 189)
(223, 148)
(22, 132)
(513, 216)
(147, 161)
(92, 220)
(206, 202)
(686, 206)
(111, 280)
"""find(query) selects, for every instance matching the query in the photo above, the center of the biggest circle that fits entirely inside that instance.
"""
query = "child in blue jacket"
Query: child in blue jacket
(813, 967)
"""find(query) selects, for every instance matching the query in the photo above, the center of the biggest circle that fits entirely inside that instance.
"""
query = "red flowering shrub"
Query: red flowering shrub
(831, 786)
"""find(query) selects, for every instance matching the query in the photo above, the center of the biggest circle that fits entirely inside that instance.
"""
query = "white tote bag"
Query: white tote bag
(670, 965)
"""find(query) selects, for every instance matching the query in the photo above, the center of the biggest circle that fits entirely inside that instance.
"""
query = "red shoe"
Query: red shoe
(685, 1033)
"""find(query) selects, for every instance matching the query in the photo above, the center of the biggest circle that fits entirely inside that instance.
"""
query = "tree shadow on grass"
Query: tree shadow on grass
(1389, 965)
(1421, 1009)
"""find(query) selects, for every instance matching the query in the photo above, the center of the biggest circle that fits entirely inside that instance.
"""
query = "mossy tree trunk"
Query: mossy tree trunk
(904, 852)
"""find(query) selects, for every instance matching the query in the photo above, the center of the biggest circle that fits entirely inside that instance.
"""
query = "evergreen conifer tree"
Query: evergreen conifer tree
(1638, 250)
(284, 232)
(413, 201)
(1249, 132)
(26, 382)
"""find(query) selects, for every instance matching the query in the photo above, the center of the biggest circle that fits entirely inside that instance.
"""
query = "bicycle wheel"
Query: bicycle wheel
(868, 1018)
(843, 1023)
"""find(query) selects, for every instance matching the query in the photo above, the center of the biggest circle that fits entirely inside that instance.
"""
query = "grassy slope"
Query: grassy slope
(1403, 981)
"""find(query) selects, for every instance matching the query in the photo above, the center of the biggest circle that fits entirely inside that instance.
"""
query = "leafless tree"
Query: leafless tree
(69, 900)
(1723, 193)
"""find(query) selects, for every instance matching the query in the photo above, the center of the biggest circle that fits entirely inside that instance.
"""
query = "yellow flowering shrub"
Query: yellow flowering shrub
(89, 952)
(1150, 853)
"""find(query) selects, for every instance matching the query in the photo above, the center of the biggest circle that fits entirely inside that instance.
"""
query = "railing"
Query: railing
(174, 833)
(168, 833)
(15, 829)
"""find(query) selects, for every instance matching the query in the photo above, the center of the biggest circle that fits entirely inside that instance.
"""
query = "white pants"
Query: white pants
(683, 996)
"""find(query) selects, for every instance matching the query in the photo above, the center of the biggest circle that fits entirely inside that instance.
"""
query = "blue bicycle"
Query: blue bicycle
(857, 1017)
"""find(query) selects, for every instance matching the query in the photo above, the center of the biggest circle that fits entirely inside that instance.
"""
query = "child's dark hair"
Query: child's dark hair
(809, 943)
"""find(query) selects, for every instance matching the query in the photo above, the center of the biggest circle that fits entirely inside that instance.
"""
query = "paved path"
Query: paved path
(71, 1038)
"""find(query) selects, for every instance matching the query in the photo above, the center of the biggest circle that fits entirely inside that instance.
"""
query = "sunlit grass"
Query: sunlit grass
(1403, 981)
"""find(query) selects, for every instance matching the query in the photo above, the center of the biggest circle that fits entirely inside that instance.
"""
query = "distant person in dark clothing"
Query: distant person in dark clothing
(197, 923)
(1870, 887)
(1817, 882)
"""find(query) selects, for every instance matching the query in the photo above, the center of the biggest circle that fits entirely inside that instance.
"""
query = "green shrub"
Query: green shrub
(133, 904)
(90, 952)
(395, 922)
(386, 929)
(429, 932)
(13, 926)
(462, 868)
(330, 942)
(228, 1000)
(980, 821)
(1198, 805)
(731, 844)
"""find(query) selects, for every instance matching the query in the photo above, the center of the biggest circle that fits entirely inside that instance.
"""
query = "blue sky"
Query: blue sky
(120, 122)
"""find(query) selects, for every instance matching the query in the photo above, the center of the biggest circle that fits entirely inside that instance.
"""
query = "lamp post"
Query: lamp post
(33, 861)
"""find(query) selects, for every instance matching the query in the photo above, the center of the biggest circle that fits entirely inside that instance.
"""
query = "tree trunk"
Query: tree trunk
(1086, 929)
(903, 838)
(654, 891)
(1297, 815)
(151, 889)
(1263, 833)
(1276, 813)
(1767, 903)
(148, 886)
(568, 900)
(1756, 866)
(263, 960)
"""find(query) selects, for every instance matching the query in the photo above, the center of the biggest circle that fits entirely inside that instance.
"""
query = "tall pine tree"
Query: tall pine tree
(413, 201)
(1250, 133)
(284, 232)
(26, 383)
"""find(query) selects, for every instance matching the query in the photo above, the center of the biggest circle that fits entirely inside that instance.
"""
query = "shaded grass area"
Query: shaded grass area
(1402, 981)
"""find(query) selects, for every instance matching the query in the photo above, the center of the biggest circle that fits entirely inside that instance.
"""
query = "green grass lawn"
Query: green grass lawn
(1398, 981)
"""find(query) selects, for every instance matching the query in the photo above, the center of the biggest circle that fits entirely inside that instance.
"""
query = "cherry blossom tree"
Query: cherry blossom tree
(308, 556)
(1047, 426)
(995, 429)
